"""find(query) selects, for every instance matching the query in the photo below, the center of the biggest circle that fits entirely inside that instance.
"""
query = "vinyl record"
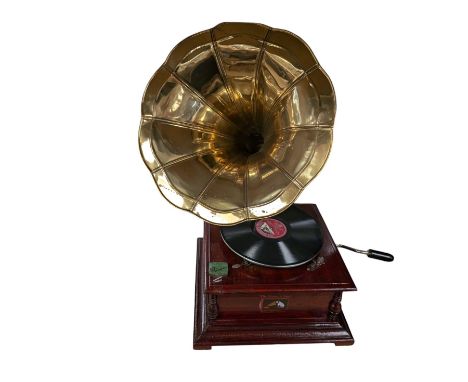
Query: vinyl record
(288, 239)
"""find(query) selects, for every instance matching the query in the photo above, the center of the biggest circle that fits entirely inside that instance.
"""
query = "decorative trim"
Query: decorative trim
(212, 311)
(335, 307)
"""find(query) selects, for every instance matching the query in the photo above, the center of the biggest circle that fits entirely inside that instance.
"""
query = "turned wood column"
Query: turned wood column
(212, 312)
(335, 306)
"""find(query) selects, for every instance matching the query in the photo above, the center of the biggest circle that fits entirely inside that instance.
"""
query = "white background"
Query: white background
(97, 269)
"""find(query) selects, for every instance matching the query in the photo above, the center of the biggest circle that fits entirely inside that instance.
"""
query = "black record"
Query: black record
(289, 239)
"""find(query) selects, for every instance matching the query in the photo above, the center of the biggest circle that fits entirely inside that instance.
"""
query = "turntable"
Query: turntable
(235, 124)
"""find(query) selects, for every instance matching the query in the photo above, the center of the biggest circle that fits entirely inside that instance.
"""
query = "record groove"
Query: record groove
(289, 239)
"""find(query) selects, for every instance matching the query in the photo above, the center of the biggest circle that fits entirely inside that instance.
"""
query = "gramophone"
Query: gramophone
(235, 124)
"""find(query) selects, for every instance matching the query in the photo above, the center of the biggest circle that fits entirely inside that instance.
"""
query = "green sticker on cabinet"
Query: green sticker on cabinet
(218, 268)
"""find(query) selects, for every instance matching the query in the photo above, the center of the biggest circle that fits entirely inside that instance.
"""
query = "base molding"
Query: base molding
(214, 329)
(257, 333)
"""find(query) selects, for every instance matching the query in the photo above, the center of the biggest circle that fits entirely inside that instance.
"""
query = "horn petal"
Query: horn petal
(237, 122)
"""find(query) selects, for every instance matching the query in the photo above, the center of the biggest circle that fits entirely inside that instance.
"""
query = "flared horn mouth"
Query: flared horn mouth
(236, 122)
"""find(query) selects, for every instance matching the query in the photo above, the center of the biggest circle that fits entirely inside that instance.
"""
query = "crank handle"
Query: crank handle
(372, 253)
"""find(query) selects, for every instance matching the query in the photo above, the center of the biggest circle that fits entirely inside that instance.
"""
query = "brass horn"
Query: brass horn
(236, 122)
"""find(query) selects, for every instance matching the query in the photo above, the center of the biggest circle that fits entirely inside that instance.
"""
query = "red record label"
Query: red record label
(270, 228)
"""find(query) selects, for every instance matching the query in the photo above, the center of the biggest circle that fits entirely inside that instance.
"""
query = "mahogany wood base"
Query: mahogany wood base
(253, 305)
(210, 332)
(258, 332)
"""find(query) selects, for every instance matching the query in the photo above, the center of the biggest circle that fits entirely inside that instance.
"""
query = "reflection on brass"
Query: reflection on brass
(236, 122)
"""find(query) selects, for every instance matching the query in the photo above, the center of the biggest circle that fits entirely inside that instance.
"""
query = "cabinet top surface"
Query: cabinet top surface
(326, 272)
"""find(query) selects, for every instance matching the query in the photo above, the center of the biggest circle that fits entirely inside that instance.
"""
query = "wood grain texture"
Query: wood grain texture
(258, 305)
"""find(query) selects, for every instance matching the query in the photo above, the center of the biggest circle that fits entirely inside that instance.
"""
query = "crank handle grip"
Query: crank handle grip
(372, 253)
(379, 255)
